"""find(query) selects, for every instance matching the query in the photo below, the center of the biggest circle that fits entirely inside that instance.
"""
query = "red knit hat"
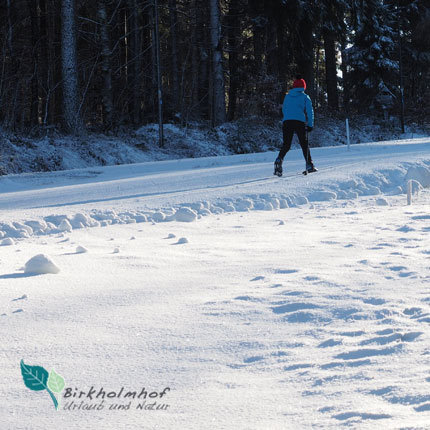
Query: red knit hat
(299, 83)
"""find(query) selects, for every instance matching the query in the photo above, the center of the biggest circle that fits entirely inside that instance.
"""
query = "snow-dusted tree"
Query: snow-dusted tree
(71, 110)
(373, 57)
(218, 93)
(414, 24)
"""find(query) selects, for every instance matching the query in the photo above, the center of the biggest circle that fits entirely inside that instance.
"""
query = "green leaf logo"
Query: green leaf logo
(56, 382)
(37, 378)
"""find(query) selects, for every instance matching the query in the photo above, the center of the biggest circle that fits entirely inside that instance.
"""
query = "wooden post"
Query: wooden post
(409, 192)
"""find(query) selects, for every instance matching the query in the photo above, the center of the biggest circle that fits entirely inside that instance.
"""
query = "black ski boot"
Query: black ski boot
(278, 167)
(310, 169)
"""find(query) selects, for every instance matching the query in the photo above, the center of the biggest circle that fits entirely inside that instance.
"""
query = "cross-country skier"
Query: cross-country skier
(298, 117)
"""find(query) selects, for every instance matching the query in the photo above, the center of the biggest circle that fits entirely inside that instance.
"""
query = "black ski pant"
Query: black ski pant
(289, 127)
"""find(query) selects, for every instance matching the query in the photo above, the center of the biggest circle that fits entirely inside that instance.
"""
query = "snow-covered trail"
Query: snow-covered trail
(169, 183)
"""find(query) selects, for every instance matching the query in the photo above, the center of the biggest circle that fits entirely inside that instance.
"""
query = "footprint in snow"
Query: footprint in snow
(423, 408)
(20, 298)
(255, 359)
(330, 343)
(297, 367)
(412, 312)
(374, 301)
(352, 333)
(311, 278)
(363, 415)
(405, 229)
(248, 298)
(285, 271)
(397, 268)
(368, 352)
(293, 293)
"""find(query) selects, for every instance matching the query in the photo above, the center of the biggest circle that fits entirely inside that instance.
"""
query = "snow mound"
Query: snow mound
(41, 264)
(7, 242)
(185, 214)
(322, 196)
(182, 240)
(37, 226)
(420, 174)
(81, 220)
(244, 205)
(65, 226)
(81, 249)
(158, 217)
(381, 201)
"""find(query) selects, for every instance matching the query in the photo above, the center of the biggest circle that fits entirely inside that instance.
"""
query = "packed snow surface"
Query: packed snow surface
(220, 294)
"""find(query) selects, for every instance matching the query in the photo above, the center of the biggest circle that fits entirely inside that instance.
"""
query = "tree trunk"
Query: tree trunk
(272, 52)
(233, 34)
(148, 89)
(331, 69)
(71, 114)
(55, 95)
(134, 61)
(204, 82)
(257, 13)
(173, 13)
(107, 97)
(33, 7)
(194, 64)
(218, 103)
(44, 64)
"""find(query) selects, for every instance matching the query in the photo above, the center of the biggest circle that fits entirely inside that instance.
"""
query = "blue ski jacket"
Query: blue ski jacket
(298, 105)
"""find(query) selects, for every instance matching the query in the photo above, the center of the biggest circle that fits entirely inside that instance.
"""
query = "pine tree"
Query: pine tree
(373, 57)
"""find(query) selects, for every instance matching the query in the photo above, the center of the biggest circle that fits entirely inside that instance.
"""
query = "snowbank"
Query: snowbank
(378, 183)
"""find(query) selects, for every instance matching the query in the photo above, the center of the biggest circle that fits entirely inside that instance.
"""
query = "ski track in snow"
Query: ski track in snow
(314, 316)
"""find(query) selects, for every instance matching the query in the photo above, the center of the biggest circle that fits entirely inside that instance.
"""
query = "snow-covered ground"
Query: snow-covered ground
(260, 302)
